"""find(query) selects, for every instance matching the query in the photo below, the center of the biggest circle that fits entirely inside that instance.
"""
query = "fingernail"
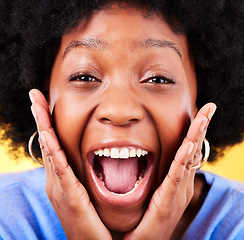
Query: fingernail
(190, 148)
(211, 112)
(203, 124)
(31, 95)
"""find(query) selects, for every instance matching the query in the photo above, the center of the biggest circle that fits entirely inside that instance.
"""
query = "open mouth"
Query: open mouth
(120, 171)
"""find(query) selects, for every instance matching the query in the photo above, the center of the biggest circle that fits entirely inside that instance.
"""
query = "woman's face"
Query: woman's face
(122, 95)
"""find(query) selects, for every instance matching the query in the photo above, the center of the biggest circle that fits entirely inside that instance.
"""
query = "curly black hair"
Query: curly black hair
(31, 32)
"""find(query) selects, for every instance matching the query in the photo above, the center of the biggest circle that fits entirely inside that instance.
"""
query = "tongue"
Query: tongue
(120, 175)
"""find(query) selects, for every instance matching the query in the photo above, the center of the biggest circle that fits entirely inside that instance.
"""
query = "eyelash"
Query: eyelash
(159, 79)
(82, 77)
(154, 79)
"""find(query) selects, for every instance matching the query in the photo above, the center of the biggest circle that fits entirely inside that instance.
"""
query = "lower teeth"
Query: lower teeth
(137, 183)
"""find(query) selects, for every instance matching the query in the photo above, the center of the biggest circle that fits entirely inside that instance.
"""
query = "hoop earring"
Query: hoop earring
(206, 155)
(30, 149)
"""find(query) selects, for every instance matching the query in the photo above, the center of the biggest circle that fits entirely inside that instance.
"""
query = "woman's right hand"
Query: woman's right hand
(68, 196)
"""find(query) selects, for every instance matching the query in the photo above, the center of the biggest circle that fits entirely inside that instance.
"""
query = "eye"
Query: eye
(81, 77)
(159, 80)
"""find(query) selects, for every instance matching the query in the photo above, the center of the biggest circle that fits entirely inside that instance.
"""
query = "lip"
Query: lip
(130, 198)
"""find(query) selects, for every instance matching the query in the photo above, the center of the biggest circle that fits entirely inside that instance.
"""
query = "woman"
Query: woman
(128, 87)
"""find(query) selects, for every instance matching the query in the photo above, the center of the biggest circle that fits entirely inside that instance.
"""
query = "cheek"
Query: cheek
(70, 121)
(172, 122)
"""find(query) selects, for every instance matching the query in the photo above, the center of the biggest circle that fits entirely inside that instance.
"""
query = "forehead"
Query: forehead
(132, 27)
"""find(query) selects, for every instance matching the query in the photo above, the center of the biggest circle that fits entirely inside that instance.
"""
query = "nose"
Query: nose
(119, 107)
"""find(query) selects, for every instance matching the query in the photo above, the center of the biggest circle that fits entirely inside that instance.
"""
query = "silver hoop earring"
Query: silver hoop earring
(30, 149)
(206, 155)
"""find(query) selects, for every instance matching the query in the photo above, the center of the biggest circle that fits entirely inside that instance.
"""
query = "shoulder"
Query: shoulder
(222, 213)
(25, 210)
(26, 178)
(22, 185)
(220, 186)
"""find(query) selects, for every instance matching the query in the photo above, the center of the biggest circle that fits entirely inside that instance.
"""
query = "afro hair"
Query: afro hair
(31, 32)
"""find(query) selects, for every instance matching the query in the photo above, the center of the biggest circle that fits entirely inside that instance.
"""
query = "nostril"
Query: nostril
(105, 120)
(119, 122)
(122, 114)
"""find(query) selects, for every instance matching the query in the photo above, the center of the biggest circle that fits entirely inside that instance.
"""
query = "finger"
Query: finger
(201, 121)
(196, 134)
(198, 154)
(163, 206)
(37, 96)
(41, 114)
(47, 166)
(198, 128)
(62, 173)
(207, 110)
(44, 125)
(41, 117)
(199, 125)
(71, 192)
(164, 197)
(175, 176)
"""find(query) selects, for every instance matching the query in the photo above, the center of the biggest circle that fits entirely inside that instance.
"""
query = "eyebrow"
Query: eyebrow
(90, 43)
(93, 43)
(151, 43)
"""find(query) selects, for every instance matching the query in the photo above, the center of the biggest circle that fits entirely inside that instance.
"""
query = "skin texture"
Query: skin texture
(121, 105)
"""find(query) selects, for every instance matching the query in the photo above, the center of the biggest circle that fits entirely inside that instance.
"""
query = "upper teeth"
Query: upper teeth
(121, 153)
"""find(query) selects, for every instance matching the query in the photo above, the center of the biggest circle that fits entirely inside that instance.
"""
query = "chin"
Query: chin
(120, 219)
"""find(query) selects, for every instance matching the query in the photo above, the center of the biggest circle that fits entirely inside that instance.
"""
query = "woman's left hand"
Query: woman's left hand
(173, 196)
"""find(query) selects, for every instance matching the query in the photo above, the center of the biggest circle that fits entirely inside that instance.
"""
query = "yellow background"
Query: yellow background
(231, 165)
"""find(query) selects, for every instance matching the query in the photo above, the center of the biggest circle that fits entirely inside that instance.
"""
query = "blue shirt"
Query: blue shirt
(221, 216)
(25, 210)
(26, 213)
